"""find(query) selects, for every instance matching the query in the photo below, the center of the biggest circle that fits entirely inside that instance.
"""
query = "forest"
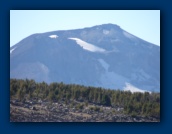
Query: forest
(134, 104)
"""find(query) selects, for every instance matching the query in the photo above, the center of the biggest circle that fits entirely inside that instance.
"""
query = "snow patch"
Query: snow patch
(133, 89)
(53, 36)
(88, 46)
(12, 50)
(106, 32)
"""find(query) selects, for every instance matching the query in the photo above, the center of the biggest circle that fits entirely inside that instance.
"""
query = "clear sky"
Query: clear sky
(144, 24)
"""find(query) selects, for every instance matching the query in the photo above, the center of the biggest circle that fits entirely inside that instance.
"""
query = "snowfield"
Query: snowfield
(88, 46)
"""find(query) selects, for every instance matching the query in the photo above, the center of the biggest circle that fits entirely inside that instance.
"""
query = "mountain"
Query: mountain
(101, 56)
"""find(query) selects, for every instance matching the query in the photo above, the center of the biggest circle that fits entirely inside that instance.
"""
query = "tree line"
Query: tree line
(146, 104)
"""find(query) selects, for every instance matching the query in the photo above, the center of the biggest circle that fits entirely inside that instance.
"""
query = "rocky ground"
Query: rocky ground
(45, 111)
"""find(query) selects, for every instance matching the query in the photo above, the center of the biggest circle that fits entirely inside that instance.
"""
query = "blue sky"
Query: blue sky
(144, 24)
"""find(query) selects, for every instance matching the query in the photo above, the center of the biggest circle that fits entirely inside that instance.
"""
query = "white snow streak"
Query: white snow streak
(104, 64)
(88, 46)
(12, 50)
(53, 36)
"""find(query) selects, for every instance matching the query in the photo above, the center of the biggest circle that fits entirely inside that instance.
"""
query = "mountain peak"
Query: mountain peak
(102, 56)
(107, 25)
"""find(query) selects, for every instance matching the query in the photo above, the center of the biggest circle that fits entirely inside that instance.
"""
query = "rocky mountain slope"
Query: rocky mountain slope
(102, 56)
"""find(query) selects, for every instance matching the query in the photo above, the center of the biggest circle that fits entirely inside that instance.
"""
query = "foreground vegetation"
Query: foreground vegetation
(133, 104)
